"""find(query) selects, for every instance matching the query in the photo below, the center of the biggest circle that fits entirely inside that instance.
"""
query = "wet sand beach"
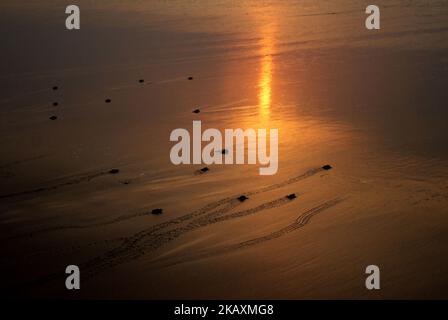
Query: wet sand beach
(86, 177)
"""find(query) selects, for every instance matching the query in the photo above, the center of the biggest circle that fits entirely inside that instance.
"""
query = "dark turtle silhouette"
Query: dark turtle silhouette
(190, 78)
(55, 88)
(196, 111)
(53, 118)
(141, 80)
(55, 104)
(327, 167)
(114, 171)
(108, 101)
(291, 196)
(157, 211)
(242, 198)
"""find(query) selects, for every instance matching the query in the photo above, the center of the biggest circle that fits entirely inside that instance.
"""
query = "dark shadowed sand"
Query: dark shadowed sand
(81, 189)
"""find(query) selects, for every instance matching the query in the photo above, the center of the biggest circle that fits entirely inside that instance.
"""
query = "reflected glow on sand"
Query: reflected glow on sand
(265, 81)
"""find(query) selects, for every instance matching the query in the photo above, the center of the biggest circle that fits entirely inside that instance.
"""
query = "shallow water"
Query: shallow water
(369, 103)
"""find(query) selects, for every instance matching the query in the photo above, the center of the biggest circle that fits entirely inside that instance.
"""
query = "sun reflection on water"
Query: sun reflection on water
(265, 81)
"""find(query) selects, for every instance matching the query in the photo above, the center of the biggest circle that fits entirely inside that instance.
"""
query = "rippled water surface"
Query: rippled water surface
(370, 103)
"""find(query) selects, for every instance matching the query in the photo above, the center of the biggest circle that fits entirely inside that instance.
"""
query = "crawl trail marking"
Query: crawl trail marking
(143, 242)
(186, 217)
(153, 238)
(300, 222)
(79, 179)
(149, 240)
